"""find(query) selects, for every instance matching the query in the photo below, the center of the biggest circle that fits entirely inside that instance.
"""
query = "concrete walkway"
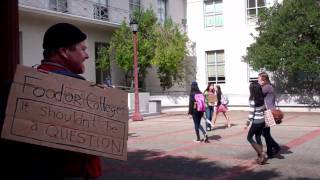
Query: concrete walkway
(162, 147)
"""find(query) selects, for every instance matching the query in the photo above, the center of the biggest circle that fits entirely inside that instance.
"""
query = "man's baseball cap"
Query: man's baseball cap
(62, 35)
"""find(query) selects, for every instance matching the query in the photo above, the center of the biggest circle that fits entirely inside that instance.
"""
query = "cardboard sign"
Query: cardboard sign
(212, 98)
(62, 112)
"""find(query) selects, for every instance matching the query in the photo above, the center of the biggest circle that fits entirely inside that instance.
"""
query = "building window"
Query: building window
(162, 11)
(134, 5)
(253, 8)
(213, 13)
(101, 75)
(252, 74)
(58, 5)
(216, 67)
(100, 10)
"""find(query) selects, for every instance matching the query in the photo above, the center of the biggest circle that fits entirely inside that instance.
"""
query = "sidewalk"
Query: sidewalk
(162, 147)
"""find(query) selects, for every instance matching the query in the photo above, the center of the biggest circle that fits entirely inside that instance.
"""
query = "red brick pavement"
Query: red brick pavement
(162, 148)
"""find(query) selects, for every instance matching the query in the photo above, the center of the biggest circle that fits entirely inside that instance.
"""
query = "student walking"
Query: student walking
(221, 106)
(273, 147)
(210, 99)
(196, 109)
(256, 119)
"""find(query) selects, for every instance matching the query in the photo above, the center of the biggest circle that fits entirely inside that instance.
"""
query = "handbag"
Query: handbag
(268, 118)
(277, 115)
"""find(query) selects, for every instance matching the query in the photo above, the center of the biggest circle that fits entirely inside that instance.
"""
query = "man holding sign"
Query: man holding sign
(64, 53)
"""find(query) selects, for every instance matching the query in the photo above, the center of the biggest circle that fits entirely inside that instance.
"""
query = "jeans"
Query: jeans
(209, 112)
(271, 143)
(255, 130)
(196, 116)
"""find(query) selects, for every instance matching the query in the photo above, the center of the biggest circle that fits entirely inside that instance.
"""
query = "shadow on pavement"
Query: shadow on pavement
(156, 165)
(217, 127)
(284, 150)
(215, 137)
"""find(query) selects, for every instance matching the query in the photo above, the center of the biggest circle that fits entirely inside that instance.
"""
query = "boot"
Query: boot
(261, 155)
(206, 138)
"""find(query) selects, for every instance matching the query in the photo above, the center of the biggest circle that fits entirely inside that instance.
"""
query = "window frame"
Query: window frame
(162, 14)
(218, 79)
(252, 75)
(214, 14)
(133, 5)
(59, 5)
(253, 19)
(101, 10)
(101, 75)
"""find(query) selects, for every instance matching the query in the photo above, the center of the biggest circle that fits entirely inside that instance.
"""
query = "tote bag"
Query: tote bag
(268, 118)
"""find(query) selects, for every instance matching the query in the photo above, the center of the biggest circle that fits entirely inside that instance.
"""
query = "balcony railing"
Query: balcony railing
(101, 12)
(84, 8)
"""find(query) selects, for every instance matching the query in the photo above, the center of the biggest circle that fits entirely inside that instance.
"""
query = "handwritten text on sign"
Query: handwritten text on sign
(66, 113)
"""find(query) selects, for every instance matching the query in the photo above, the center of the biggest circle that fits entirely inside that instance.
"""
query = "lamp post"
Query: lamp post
(136, 116)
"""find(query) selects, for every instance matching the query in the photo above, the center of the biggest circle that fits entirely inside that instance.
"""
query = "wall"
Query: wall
(119, 10)
(233, 38)
(33, 28)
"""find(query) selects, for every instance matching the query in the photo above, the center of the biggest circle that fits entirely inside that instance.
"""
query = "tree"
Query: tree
(159, 46)
(288, 45)
(121, 47)
(170, 52)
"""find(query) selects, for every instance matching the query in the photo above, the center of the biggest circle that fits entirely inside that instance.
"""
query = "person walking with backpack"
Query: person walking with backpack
(210, 99)
(196, 109)
(221, 106)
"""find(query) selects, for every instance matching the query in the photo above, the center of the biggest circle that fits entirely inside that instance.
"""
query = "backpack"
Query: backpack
(224, 99)
(199, 101)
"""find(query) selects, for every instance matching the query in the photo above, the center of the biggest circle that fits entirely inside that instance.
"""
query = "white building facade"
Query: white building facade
(222, 30)
(219, 31)
(97, 18)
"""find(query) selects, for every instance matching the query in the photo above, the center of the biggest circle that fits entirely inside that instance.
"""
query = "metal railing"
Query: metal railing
(83, 8)
(101, 12)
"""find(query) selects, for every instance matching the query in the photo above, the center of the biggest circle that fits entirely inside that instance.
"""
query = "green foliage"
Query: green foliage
(288, 43)
(161, 46)
(170, 52)
(103, 58)
(147, 22)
